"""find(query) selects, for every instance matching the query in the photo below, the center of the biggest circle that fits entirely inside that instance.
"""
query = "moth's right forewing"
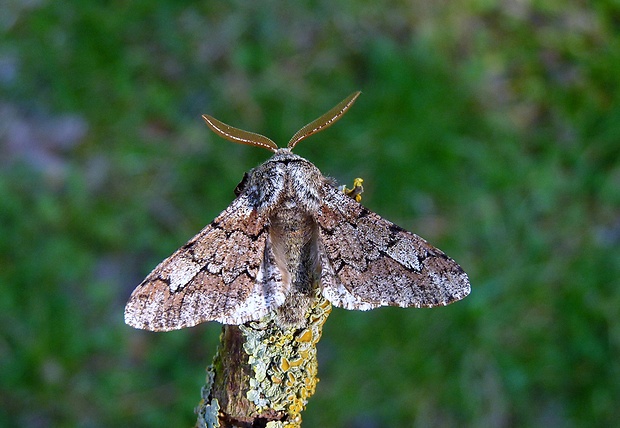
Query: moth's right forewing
(368, 261)
(225, 273)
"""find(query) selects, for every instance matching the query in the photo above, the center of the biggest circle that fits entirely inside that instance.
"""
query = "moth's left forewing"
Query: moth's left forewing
(368, 261)
(225, 273)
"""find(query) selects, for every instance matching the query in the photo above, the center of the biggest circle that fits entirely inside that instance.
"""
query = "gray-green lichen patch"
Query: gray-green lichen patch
(208, 415)
(208, 410)
(284, 361)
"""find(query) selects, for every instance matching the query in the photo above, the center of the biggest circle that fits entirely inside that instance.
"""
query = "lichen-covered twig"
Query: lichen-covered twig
(263, 371)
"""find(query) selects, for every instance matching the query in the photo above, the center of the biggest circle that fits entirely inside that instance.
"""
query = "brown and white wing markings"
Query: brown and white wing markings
(225, 273)
(369, 262)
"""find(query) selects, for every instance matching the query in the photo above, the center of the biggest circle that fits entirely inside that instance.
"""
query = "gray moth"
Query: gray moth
(289, 231)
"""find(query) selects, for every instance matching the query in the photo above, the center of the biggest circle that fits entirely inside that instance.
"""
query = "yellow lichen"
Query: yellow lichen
(305, 336)
(356, 191)
(284, 364)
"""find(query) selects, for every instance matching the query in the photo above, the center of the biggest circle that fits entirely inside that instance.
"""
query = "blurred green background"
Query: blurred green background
(491, 128)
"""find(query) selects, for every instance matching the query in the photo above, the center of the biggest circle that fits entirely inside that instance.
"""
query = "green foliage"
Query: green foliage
(490, 128)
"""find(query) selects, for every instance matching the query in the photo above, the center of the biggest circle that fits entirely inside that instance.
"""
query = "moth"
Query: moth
(289, 233)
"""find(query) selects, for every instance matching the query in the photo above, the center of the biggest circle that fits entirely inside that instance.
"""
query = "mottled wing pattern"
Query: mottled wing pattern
(368, 261)
(225, 273)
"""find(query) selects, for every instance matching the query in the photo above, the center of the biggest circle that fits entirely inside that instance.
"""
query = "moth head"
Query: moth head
(237, 135)
(242, 184)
